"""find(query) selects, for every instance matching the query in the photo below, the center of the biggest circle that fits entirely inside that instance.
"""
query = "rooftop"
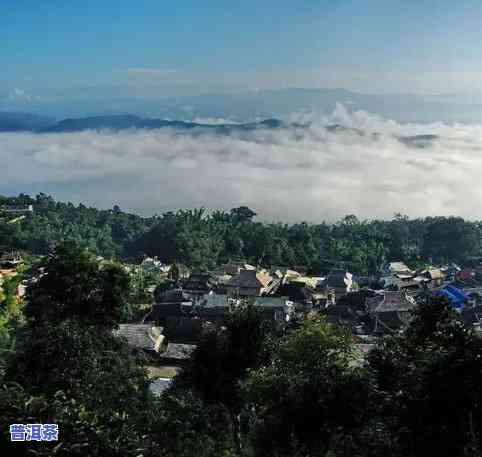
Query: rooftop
(141, 336)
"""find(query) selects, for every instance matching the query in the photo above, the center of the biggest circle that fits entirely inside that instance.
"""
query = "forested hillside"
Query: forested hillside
(105, 232)
(202, 239)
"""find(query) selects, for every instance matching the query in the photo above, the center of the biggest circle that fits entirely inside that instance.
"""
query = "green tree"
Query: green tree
(451, 239)
(70, 369)
(243, 214)
(428, 380)
(222, 360)
(75, 285)
(84, 380)
(11, 316)
(309, 397)
(224, 356)
(185, 426)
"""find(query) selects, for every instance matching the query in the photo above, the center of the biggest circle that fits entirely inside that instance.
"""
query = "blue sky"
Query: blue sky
(82, 57)
(370, 46)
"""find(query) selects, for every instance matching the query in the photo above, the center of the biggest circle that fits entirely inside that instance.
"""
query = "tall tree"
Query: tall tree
(429, 385)
(74, 285)
(450, 238)
(309, 397)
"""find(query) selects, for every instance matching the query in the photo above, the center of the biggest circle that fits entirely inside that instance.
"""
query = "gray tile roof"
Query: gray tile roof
(140, 336)
(178, 351)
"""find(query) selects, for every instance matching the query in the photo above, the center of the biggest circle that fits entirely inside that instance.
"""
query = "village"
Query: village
(370, 307)
(182, 305)
(176, 305)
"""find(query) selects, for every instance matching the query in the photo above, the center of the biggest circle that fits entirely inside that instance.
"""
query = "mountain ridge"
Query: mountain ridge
(24, 122)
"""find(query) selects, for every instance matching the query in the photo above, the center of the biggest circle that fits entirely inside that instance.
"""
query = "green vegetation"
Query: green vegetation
(97, 295)
(11, 315)
(68, 367)
(247, 391)
(104, 232)
(202, 239)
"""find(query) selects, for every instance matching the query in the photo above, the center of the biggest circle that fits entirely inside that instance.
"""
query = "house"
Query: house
(162, 311)
(215, 315)
(216, 307)
(310, 281)
(153, 265)
(451, 271)
(175, 313)
(169, 362)
(392, 312)
(466, 275)
(177, 354)
(277, 309)
(10, 261)
(341, 315)
(305, 291)
(175, 296)
(396, 268)
(457, 298)
(340, 282)
(234, 268)
(17, 209)
(199, 284)
(434, 275)
(352, 309)
(143, 339)
(411, 286)
(393, 273)
(251, 283)
(297, 292)
(285, 273)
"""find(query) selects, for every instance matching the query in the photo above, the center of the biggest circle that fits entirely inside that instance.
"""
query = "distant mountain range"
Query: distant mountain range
(18, 122)
(24, 122)
(122, 122)
(242, 106)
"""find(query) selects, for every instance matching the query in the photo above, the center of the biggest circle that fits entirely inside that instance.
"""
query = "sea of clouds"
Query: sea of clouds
(288, 174)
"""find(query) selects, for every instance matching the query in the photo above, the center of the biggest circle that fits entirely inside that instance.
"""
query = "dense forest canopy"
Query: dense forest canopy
(203, 239)
(105, 232)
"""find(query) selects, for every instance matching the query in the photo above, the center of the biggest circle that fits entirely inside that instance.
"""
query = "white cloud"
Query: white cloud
(214, 120)
(290, 174)
(21, 95)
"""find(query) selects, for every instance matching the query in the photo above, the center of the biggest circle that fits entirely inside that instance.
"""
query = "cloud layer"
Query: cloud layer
(291, 174)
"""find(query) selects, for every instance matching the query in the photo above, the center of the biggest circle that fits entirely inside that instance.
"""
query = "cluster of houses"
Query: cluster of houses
(190, 304)
(197, 302)
(371, 307)
(387, 307)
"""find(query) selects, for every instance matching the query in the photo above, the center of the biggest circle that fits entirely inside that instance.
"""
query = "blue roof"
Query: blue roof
(456, 297)
(457, 292)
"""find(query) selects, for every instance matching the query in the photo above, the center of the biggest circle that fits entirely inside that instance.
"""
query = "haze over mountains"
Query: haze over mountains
(20, 121)
(23, 122)
(243, 106)
(16, 122)
(317, 168)
(322, 161)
